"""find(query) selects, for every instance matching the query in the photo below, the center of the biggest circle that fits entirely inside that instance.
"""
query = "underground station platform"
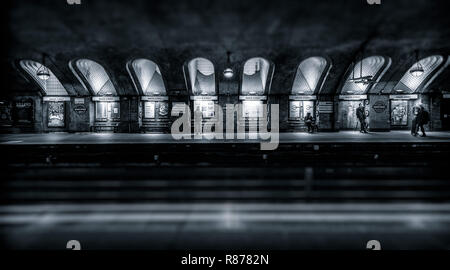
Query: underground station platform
(149, 191)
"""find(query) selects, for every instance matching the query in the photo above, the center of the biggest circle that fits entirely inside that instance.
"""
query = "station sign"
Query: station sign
(412, 96)
(302, 97)
(105, 98)
(352, 97)
(78, 101)
(252, 98)
(203, 97)
(379, 106)
(154, 98)
(56, 99)
(80, 109)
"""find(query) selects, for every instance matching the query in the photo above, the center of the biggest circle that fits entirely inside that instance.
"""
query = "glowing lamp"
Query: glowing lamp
(228, 73)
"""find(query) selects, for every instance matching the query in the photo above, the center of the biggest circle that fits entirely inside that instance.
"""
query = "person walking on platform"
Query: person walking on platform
(423, 118)
(414, 122)
(309, 122)
(361, 115)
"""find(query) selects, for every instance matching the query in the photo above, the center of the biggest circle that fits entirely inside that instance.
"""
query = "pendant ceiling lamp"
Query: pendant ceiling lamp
(228, 72)
(43, 73)
(417, 69)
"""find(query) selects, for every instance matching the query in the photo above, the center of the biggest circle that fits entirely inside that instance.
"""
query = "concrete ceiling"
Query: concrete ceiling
(170, 32)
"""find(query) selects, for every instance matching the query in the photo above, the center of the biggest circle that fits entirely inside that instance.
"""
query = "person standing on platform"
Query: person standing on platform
(423, 118)
(414, 122)
(309, 122)
(361, 115)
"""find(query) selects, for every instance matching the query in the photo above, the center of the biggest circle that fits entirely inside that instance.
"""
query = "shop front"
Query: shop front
(299, 107)
(202, 87)
(445, 111)
(361, 78)
(256, 81)
(402, 110)
(154, 106)
(347, 111)
(106, 103)
(107, 113)
(54, 112)
(309, 79)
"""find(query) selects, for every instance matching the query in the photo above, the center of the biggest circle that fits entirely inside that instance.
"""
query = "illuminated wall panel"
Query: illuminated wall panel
(410, 83)
(96, 76)
(254, 78)
(308, 76)
(371, 66)
(52, 86)
(148, 77)
(202, 77)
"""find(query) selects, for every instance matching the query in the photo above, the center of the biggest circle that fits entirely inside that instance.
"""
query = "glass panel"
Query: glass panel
(370, 67)
(204, 106)
(252, 108)
(308, 107)
(51, 86)
(97, 77)
(399, 112)
(308, 75)
(202, 77)
(149, 110)
(254, 77)
(107, 111)
(56, 112)
(412, 83)
(295, 108)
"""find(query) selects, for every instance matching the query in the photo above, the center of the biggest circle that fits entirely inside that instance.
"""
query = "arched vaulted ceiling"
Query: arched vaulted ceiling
(201, 76)
(411, 83)
(364, 74)
(51, 86)
(256, 77)
(146, 77)
(94, 74)
(171, 31)
(310, 75)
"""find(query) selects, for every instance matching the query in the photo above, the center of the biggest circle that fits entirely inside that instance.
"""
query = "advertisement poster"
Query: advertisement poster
(56, 111)
(399, 112)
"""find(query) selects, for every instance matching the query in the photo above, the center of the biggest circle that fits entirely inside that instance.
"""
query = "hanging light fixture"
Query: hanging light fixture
(43, 72)
(228, 72)
(417, 70)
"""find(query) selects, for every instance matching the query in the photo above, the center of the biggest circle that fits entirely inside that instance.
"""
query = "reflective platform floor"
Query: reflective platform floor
(231, 226)
(126, 138)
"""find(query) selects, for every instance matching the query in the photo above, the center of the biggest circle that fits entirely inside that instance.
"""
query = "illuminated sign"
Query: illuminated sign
(412, 96)
(56, 99)
(154, 98)
(352, 97)
(105, 98)
(252, 98)
(302, 98)
(79, 100)
(203, 97)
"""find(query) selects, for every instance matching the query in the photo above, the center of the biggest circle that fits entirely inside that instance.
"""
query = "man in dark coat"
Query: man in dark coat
(422, 119)
(414, 121)
(309, 121)
(361, 115)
